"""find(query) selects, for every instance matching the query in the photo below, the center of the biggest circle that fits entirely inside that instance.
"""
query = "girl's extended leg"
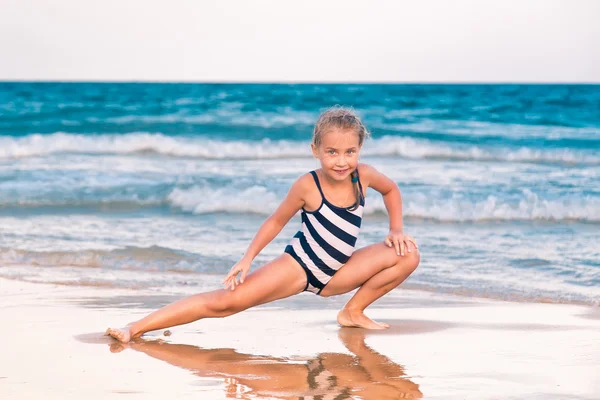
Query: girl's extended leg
(278, 279)
(376, 269)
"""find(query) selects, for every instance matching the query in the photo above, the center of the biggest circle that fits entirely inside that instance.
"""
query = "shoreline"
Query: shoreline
(418, 287)
(438, 347)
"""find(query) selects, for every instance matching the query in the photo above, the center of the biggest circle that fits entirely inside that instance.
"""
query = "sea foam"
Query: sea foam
(207, 148)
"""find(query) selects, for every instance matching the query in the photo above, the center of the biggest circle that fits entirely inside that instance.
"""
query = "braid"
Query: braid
(358, 195)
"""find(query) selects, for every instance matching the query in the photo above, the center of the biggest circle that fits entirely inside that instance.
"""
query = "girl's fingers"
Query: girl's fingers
(413, 241)
(232, 272)
(230, 279)
(401, 243)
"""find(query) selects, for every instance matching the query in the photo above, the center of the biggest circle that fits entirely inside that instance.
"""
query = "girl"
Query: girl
(321, 257)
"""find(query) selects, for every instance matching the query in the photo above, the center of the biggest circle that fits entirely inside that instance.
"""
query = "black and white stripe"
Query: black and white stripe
(326, 240)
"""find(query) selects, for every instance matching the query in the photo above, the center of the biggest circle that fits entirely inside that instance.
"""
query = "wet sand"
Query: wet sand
(439, 347)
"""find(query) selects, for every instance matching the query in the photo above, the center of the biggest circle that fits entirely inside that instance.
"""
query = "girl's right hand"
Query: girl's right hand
(242, 266)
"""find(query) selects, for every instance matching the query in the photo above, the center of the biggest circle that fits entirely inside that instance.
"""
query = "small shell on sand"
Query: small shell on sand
(167, 333)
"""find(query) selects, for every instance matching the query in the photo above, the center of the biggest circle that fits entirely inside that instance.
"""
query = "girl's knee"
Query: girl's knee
(225, 305)
(220, 309)
(415, 258)
(410, 260)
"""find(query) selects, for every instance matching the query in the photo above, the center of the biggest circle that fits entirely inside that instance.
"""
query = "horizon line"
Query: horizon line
(298, 82)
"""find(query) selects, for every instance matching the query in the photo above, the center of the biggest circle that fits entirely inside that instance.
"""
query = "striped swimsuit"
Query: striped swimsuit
(326, 240)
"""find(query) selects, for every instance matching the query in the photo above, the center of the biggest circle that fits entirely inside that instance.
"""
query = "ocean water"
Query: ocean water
(164, 185)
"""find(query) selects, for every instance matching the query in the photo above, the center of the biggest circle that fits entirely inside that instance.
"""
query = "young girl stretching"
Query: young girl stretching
(321, 257)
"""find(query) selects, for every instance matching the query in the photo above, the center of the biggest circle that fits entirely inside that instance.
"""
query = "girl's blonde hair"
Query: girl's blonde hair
(342, 119)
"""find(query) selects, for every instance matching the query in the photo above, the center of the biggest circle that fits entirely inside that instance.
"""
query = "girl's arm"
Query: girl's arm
(292, 203)
(393, 204)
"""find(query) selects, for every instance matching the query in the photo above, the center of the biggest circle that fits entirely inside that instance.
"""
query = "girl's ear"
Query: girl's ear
(315, 150)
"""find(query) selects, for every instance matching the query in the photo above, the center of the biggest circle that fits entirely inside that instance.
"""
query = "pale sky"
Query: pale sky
(301, 40)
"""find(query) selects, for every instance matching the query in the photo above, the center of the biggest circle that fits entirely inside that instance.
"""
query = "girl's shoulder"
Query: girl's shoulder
(305, 180)
(371, 177)
(365, 172)
(303, 184)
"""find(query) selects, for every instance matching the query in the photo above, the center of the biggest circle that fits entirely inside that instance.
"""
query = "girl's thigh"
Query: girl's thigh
(364, 264)
(280, 278)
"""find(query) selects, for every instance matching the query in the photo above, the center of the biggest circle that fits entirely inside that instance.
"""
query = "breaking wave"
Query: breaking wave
(142, 143)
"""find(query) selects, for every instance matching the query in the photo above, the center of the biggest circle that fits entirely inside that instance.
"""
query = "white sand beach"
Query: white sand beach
(439, 347)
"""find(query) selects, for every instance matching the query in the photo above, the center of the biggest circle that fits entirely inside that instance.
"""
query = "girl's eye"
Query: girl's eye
(332, 152)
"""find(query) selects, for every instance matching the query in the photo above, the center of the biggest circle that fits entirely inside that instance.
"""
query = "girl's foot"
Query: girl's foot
(357, 319)
(123, 335)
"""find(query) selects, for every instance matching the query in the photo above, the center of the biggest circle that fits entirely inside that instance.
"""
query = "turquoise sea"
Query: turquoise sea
(163, 185)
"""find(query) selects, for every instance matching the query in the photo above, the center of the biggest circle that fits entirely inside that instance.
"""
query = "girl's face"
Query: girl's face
(338, 153)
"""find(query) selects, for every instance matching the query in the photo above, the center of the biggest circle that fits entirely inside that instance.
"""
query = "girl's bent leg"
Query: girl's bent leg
(376, 269)
(278, 279)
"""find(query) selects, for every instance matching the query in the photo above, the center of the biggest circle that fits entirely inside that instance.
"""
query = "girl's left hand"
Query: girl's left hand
(400, 241)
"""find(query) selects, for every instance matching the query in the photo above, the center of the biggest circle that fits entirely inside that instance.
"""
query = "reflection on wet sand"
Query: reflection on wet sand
(329, 376)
